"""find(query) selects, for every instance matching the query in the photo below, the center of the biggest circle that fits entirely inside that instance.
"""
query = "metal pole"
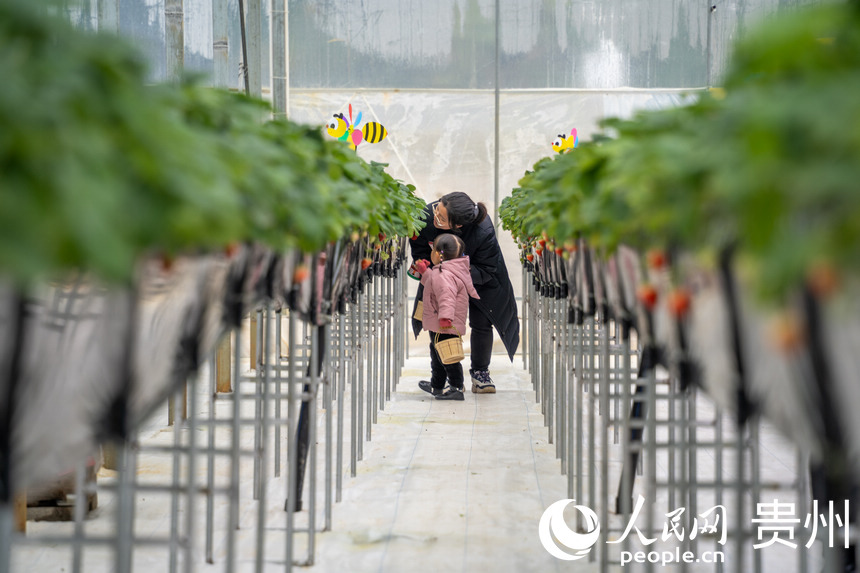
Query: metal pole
(362, 351)
(341, 378)
(263, 422)
(262, 363)
(374, 315)
(292, 456)
(233, 513)
(254, 63)
(220, 43)
(497, 98)
(80, 515)
(604, 389)
(328, 381)
(354, 377)
(243, 29)
(389, 317)
(125, 508)
(279, 59)
(175, 39)
(317, 358)
(191, 490)
(210, 464)
(108, 16)
(7, 527)
(276, 361)
(174, 489)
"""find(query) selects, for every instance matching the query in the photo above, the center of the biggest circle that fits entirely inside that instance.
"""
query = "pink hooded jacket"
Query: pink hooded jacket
(447, 288)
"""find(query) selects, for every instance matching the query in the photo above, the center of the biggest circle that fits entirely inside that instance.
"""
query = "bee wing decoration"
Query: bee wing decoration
(350, 114)
(356, 137)
(357, 120)
(374, 132)
(575, 137)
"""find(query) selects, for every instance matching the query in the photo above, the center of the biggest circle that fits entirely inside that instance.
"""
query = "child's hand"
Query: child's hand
(446, 324)
(421, 266)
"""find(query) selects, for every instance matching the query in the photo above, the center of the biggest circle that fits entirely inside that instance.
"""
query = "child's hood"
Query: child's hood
(459, 267)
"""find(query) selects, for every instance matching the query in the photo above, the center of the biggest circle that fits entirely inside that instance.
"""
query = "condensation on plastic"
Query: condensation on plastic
(451, 44)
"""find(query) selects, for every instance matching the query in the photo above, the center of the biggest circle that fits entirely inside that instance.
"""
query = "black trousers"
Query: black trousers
(481, 339)
(439, 372)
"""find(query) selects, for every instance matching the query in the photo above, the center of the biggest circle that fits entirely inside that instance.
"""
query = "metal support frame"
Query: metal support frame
(599, 403)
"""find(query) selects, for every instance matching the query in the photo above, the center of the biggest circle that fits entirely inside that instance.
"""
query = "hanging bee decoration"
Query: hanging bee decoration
(564, 143)
(343, 129)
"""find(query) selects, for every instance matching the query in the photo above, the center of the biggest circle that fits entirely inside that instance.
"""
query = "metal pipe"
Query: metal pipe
(175, 39)
(174, 482)
(254, 63)
(341, 379)
(125, 507)
(354, 376)
(327, 381)
(317, 358)
(220, 43)
(276, 360)
(361, 351)
(233, 512)
(497, 116)
(261, 458)
(604, 389)
(292, 456)
(279, 58)
(261, 363)
(80, 515)
(210, 465)
(108, 14)
(190, 492)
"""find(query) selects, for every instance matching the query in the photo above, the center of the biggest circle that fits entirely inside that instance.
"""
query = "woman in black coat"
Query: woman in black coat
(497, 307)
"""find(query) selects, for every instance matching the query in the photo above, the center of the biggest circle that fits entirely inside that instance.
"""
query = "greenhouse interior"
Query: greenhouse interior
(248, 245)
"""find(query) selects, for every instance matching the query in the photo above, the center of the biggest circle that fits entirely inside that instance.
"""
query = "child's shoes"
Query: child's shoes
(451, 393)
(427, 387)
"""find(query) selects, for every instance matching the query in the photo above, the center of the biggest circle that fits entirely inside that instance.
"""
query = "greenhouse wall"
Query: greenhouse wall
(443, 140)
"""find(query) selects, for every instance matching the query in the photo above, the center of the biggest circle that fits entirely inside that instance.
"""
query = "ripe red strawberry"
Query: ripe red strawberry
(656, 259)
(530, 257)
(823, 280)
(301, 274)
(787, 333)
(679, 302)
(647, 295)
(366, 262)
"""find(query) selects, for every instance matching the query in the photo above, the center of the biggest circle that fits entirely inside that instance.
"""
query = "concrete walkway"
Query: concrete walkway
(449, 486)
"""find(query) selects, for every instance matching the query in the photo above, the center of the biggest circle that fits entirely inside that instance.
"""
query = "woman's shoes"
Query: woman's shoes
(481, 382)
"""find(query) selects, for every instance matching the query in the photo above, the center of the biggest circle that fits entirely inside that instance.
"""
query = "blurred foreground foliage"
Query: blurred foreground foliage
(768, 165)
(98, 168)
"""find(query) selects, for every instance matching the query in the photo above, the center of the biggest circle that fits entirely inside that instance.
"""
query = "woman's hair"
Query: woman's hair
(449, 246)
(462, 210)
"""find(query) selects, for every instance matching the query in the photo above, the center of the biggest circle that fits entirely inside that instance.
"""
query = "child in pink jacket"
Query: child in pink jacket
(447, 288)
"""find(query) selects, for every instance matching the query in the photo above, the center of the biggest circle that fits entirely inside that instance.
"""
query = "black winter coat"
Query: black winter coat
(489, 275)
